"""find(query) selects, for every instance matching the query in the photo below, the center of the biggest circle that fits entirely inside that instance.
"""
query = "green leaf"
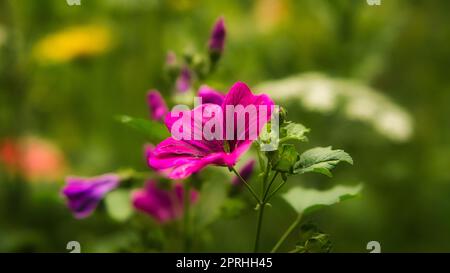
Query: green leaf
(232, 208)
(155, 131)
(321, 160)
(213, 197)
(118, 205)
(286, 157)
(312, 240)
(293, 131)
(305, 200)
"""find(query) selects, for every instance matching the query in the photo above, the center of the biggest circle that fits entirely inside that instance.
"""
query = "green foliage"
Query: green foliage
(305, 200)
(154, 131)
(213, 197)
(118, 205)
(285, 158)
(312, 240)
(287, 131)
(232, 207)
(362, 55)
(321, 160)
(293, 131)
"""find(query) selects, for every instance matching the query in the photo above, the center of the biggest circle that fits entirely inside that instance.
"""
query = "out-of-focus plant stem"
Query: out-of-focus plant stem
(286, 233)
(262, 206)
(186, 222)
(250, 189)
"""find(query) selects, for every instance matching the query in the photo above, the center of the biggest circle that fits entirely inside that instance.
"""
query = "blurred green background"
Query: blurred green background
(67, 71)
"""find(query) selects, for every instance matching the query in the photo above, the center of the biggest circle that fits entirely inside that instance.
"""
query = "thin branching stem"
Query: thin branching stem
(250, 189)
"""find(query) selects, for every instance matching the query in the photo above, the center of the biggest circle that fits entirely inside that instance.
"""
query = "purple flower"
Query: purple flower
(184, 157)
(246, 172)
(217, 39)
(184, 80)
(157, 105)
(84, 194)
(163, 205)
(210, 95)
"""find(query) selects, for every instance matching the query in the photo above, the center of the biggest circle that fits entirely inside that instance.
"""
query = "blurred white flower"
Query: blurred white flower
(318, 92)
(320, 97)
(361, 108)
(394, 124)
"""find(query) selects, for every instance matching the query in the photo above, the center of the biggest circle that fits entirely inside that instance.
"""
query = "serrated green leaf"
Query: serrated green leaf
(287, 156)
(305, 200)
(294, 131)
(155, 131)
(118, 205)
(321, 160)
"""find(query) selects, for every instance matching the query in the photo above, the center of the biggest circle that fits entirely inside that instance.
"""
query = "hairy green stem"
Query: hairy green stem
(286, 233)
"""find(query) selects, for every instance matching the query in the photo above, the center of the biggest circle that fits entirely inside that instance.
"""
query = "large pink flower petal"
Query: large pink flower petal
(209, 95)
(182, 158)
(194, 130)
(240, 95)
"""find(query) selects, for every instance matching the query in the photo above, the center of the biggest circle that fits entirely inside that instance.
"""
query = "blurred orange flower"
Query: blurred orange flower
(34, 158)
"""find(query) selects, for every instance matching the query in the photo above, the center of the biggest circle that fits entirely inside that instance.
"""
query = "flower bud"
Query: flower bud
(217, 40)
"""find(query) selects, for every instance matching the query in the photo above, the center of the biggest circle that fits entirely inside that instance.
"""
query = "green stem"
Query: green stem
(265, 177)
(268, 188)
(286, 233)
(275, 191)
(247, 185)
(186, 218)
(262, 206)
(258, 227)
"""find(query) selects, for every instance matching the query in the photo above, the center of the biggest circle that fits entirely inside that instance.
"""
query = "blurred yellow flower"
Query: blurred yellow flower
(71, 43)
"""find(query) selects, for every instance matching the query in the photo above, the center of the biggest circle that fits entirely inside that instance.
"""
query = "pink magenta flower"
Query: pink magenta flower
(184, 157)
(157, 105)
(161, 204)
(217, 39)
(84, 194)
(246, 172)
